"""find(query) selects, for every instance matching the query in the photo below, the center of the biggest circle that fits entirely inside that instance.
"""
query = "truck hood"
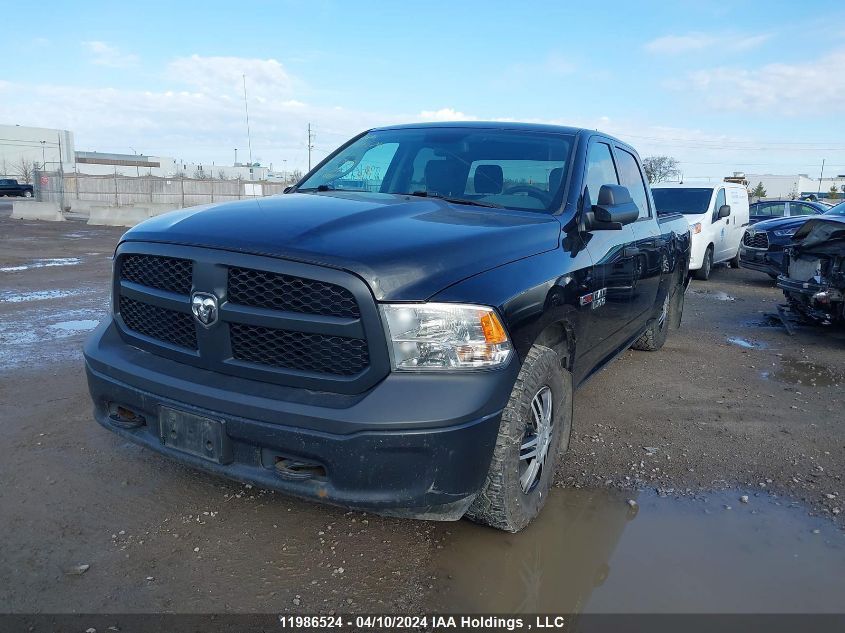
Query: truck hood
(406, 249)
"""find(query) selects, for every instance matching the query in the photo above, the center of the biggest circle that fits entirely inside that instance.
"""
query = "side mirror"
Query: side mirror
(724, 211)
(615, 205)
(287, 189)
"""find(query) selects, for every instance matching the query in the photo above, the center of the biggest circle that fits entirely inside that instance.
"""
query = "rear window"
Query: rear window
(689, 201)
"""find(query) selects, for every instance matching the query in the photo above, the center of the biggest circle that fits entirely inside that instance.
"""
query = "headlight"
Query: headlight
(428, 336)
(786, 232)
(696, 228)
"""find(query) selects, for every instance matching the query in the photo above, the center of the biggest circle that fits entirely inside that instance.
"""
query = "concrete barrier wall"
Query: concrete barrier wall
(31, 210)
(104, 215)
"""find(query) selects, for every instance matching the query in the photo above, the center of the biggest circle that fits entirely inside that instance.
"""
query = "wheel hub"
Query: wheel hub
(536, 440)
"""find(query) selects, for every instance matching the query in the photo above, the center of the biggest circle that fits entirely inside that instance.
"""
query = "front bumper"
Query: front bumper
(414, 445)
(769, 262)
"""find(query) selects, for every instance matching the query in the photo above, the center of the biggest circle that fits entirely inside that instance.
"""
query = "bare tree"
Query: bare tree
(295, 175)
(660, 168)
(24, 169)
(199, 174)
(221, 175)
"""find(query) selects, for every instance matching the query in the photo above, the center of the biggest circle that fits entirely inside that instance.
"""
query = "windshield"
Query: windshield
(839, 209)
(508, 168)
(688, 201)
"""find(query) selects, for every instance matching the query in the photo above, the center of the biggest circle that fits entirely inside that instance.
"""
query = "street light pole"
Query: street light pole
(43, 159)
(236, 157)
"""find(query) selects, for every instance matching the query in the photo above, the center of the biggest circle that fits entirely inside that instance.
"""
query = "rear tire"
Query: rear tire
(703, 273)
(734, 261)
(655, 336)
(27, 194)
(511, 495)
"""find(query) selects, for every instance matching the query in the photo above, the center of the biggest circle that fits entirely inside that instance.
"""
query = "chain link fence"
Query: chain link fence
(81, 191)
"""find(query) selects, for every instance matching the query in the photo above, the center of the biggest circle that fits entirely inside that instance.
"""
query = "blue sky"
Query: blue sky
(722, 86)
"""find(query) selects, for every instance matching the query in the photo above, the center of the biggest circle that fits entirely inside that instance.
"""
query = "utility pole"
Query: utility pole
(310, 145)
(821, 175)
(43, 158)
(248, 136)
(236, 157)
(61, 175)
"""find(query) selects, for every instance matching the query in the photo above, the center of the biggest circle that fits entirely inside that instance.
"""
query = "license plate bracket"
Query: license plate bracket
(195, 434)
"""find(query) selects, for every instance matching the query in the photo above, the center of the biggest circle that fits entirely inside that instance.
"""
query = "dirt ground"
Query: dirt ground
(763, 412)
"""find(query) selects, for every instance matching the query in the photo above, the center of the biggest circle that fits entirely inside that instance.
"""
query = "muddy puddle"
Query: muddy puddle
(793, 371)
(590, 551)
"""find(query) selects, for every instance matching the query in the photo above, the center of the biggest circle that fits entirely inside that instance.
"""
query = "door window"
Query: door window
(771, 210)
(600, 169)
(631, 176)
(799, 208)
(720, 201)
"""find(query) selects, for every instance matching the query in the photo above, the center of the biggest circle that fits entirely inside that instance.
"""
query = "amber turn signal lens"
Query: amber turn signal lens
(494, 333)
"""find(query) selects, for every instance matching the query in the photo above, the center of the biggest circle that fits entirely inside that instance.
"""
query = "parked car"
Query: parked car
(409, 346)
(11, 187)
(717, 216)
(813, 279)
(769, 209)
(763, 244)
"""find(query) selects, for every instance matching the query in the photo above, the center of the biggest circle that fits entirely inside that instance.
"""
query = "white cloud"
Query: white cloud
(265, 77)
(793, 89)
(696, 42)
(103, 54)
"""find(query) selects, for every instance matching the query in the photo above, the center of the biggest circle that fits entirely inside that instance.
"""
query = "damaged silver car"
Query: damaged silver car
(814, 269)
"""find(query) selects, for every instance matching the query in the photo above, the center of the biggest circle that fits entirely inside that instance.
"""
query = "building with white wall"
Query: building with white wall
(33, 146)
(796, 185)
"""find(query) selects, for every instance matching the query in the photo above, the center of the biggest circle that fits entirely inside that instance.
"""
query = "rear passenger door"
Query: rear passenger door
(646, 248)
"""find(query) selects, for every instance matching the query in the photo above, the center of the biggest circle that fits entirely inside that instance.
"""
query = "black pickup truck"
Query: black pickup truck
(10, 187)
(400, 332)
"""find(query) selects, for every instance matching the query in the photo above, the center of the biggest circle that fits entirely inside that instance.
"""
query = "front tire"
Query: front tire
(534, 430)
(703, 273)
(27, 194)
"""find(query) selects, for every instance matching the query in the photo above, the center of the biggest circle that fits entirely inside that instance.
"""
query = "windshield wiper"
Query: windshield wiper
(475, 203)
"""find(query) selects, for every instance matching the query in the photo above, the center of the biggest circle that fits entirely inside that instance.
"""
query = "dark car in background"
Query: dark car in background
(763, 244)
(768, 209)
(11, 187)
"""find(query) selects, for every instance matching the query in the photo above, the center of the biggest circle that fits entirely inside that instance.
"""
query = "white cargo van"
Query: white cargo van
(717, 215)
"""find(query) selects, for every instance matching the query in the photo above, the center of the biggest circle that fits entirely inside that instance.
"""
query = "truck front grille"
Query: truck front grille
(263, 289)
(299, 350)
(164, 273)
(758, 239)
(176, 328)
(277, 321)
